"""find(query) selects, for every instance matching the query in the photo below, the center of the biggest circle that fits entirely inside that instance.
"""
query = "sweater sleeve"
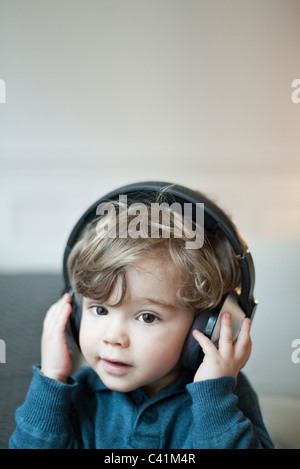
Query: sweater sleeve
(227, 415)
(44, 420)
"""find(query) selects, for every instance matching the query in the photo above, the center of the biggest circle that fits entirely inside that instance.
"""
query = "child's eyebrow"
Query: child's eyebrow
(89, 301)
(159, 302)
(143, 302)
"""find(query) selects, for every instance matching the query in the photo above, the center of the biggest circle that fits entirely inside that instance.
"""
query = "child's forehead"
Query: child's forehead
(152, 279)
(153, 264)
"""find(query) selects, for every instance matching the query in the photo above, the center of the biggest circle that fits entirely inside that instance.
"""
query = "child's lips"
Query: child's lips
(115, 367)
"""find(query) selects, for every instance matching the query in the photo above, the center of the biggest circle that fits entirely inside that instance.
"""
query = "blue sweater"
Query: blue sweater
(84, 413)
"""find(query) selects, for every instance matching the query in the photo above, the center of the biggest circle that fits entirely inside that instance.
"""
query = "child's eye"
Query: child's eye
(147, 318)
(99, 310)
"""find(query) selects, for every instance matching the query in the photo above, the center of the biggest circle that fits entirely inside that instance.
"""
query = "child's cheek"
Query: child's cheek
(86, 342)
(160, 355)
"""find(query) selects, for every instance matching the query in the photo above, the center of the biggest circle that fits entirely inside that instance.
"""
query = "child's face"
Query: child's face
(138, 343)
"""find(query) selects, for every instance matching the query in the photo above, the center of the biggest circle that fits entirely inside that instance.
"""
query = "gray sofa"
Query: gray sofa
(24, 299)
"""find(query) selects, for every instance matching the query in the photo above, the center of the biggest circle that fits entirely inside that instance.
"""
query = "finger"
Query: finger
(57, 317)
(65, 299)
(244, 334)
(204, 342)
(244, 344)
(63, 315)
(225, 340)
(56, 307)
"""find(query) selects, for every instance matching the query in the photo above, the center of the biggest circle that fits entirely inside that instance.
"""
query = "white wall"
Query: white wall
(104, 92)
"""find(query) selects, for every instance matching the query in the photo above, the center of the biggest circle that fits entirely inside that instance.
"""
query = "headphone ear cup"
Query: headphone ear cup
(192, 354)
(230, 303)
(73, 325)
(209, 323)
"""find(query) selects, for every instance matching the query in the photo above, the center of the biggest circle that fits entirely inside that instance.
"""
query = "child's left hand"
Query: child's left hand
(229, 358)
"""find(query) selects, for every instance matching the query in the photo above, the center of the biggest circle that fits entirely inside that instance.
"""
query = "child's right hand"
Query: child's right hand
(56, 361)
(230, 357)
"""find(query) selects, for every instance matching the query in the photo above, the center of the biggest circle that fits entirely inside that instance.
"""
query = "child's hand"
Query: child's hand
(56, 361)
(230, 357)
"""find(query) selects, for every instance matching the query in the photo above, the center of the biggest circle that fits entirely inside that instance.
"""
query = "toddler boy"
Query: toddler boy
(139, 298)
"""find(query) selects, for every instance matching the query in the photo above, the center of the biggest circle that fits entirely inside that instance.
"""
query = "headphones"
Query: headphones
(239, 305)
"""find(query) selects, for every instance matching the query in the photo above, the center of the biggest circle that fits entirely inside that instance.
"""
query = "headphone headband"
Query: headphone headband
(214, 218)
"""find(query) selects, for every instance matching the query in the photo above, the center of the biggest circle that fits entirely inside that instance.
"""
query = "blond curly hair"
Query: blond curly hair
(98, 260)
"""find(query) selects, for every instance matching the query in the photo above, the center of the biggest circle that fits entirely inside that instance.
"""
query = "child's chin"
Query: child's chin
(116, 383)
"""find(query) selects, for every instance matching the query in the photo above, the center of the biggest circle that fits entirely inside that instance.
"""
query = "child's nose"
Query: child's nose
(116, 335)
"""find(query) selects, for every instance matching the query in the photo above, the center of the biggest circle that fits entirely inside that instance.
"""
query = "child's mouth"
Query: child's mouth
(114, 367)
